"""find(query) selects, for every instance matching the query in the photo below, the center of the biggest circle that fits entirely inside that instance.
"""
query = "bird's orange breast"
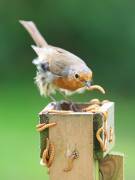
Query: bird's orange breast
(69, 84)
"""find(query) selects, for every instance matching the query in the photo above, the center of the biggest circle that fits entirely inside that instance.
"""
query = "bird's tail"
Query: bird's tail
(34, 33)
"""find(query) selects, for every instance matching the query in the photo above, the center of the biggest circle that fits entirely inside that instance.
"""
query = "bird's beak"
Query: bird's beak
(88, 83)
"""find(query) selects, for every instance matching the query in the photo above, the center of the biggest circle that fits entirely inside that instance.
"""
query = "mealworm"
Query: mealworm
(59, 111)
(51, 154)
(95, 101)
(105, 101)
(105, 115)
(48, 154)
(91, 107)
(45, 155)
(111, 135)
(41, 127)
(96, 87)
(102, 144)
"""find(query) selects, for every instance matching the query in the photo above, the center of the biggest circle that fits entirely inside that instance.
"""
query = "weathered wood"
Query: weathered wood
(98, 123)
(111, 167)
(44, 118)
(44, 134)
(73, 131)
(77, 131)
(96, 170)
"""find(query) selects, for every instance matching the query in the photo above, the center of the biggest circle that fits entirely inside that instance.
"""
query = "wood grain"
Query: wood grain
(98, 123)
(111, 167)
(72, 131)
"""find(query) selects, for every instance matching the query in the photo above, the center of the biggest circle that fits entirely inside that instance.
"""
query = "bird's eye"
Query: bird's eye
(76, 76)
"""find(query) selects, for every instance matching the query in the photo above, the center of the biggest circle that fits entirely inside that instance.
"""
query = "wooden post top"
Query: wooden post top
(66, 107)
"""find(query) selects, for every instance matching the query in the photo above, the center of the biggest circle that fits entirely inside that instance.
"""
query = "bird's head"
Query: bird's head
(82, 76)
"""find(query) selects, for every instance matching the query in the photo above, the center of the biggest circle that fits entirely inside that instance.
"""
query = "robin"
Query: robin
(58, 69)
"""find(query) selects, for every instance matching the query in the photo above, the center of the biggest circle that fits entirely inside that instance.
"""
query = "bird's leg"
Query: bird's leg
(64, 95)
(52, 98)
(74, 107)
(57, 104)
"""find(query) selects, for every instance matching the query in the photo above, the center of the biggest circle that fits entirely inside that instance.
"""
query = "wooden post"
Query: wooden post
(75, 133)
(112, 167)
(98, 122)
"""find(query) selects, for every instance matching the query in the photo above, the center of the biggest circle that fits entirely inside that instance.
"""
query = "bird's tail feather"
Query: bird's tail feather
(35, 34)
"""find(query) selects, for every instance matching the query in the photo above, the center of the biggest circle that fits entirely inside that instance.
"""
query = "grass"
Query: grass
(19, 106)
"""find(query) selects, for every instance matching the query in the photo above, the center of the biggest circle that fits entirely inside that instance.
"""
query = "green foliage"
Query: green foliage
(102, 33)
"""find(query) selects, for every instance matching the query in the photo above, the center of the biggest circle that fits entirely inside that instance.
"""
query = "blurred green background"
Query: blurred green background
(100, 32)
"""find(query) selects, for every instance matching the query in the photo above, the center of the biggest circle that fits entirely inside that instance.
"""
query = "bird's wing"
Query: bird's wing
(67, 54)
(62, 61)
(34, 33)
